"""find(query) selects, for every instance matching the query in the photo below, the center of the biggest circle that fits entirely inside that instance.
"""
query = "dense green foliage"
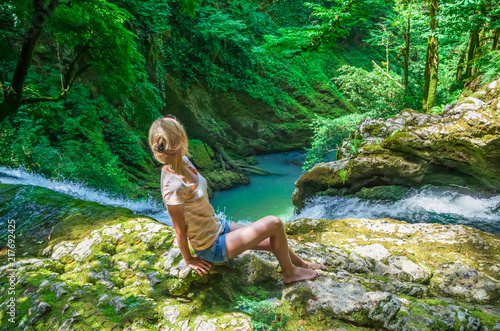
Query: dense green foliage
(84, 137)
(380, 91)
(123, 51)
(370, 90)
(328, 133)
(100, 70)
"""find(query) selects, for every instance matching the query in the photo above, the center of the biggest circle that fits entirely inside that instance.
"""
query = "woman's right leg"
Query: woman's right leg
(271, 227)
(265, 245)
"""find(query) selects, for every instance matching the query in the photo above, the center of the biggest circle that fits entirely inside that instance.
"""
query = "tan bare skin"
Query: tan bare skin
(267, 234)
(265, 245)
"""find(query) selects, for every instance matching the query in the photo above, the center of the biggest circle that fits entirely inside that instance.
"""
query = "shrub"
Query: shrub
(371, 91)
(327, 134)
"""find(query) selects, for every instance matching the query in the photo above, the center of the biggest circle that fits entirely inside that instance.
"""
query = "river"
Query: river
(271, 195)
(266, 195)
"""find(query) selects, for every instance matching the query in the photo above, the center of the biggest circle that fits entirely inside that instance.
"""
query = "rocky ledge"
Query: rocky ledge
(382, 274)
(459, 148)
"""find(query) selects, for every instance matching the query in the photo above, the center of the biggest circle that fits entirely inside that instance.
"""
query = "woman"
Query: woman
(184, 192)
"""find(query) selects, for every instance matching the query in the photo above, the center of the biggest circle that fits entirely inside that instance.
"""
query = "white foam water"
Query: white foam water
(77, 190)
(429, 205)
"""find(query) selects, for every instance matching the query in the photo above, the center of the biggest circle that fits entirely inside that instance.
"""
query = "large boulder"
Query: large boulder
(123, 271)
(397, 276)
(383, 158)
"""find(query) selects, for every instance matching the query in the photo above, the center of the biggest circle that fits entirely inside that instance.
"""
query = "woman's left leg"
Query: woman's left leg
(265, 245)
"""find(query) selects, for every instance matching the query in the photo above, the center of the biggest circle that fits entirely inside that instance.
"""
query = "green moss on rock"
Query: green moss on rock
(389, 192)
(200, 155)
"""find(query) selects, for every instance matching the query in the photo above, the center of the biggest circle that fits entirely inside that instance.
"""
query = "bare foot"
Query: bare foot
(298, 274)
(314, 266)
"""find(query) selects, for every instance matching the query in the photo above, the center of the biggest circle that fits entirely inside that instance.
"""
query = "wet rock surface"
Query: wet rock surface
(382, 274)
(383, 158)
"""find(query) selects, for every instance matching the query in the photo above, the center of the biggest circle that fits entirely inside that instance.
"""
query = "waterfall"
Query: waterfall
(77, 190)
(426, 205)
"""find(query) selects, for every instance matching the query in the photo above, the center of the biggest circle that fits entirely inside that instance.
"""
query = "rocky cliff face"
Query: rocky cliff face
(245, 125)
(125, 273)
(459, 148)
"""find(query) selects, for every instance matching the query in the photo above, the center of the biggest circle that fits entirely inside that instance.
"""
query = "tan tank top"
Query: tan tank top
(203, 227)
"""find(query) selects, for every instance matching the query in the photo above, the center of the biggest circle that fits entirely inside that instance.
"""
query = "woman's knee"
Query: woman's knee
(275, 222)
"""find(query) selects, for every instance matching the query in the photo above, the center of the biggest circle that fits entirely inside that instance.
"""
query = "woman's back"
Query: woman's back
(203, 226)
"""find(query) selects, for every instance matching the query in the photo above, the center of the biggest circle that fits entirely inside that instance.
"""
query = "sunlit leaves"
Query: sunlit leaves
(112, 48)
(371, 90)
(328, 133)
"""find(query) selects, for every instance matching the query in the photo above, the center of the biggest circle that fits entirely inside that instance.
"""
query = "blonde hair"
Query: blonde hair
(168, 139)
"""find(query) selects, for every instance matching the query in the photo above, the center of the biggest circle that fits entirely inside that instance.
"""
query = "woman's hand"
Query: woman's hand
(199, 265)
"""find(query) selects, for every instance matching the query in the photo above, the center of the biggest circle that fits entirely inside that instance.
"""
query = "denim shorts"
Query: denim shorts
(216, 253)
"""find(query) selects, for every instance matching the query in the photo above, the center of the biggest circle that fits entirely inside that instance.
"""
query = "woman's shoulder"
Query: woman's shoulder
(187, 160)
(170, 179)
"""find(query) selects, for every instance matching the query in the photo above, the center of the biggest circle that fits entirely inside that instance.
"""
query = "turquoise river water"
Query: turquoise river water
(271, 195)
(266, 195)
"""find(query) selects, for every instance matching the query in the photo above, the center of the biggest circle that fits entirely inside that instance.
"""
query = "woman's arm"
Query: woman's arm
(176, 212)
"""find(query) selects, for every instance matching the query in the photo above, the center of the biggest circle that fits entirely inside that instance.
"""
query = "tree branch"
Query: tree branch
(63, 95)
(229, 161)
(389, 76)
(69, 77)
(78, 73)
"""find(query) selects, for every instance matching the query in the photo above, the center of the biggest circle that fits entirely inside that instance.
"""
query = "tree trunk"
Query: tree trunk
(38, 21)
(13, 98)
(477, 51)
(431, 61)
(434, 58)
(407, 47)
(427, 75)
(460, 67)
(226, 158)
(496, 40)
(473, 43)
(221, 161)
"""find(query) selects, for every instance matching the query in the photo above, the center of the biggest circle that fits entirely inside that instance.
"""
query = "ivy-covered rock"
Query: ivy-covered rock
(460, 147)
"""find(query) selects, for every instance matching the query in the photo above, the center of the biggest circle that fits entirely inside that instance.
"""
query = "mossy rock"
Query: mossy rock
(459, 148)
(123, 282)
(332, 192)
(389, 192)
(43, 216)
(200, 155)
(305, 225)
(225, 180)
(243, 124)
